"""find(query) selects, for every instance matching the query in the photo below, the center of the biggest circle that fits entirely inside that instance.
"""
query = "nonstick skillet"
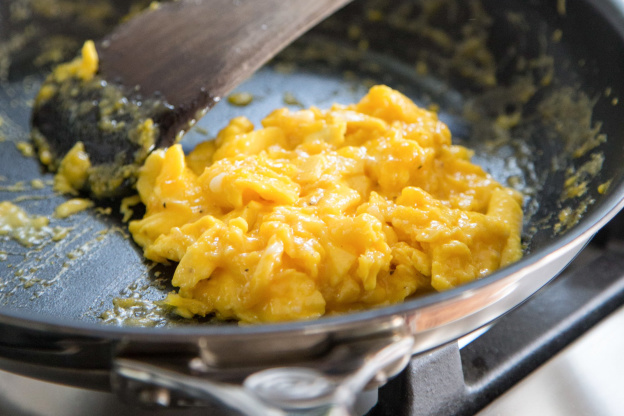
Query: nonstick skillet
(533, 87)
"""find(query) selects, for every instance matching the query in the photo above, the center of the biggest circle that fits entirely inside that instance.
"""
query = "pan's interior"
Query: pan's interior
(527, 84)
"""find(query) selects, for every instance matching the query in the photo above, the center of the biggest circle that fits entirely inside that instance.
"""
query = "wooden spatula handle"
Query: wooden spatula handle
(192, 47)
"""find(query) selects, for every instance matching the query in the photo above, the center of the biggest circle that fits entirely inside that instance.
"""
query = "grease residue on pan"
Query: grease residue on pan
(28, 230)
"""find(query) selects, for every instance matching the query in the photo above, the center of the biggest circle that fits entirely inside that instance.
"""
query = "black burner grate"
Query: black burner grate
(450, 381)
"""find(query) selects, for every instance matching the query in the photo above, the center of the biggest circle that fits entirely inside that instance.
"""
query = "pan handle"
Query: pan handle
(318, 386)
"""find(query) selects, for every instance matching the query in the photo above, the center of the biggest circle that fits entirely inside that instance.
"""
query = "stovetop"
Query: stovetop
(584, 379)
(546, 353)
(560, 353)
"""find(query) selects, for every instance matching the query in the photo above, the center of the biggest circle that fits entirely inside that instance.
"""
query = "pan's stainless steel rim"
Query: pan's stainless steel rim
(498, 293)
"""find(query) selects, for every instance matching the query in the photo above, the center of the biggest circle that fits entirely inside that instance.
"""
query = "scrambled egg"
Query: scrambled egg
(323, 212)
(84, 68)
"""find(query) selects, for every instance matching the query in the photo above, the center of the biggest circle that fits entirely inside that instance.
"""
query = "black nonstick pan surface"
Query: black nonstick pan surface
(534, 87)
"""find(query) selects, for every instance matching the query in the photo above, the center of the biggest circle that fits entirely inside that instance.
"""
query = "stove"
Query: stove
(559, 353)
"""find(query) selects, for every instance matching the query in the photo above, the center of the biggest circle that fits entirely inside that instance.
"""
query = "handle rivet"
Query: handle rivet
(292, 387)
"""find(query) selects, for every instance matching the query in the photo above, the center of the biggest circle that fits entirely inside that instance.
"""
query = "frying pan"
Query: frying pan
(532, 86)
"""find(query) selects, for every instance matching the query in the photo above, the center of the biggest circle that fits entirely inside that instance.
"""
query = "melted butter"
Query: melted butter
(16, 187)
(25, 148)
(37, 184)
(570, 113)
(104, 211)
(75, 254)
(508, 121)
(135, 311)
(60, 233)
(240, 99)
(557, 35)
(604, 187)
(568, 217)
(290, 99)
(25, 229)
(71, 207)
(577, 181)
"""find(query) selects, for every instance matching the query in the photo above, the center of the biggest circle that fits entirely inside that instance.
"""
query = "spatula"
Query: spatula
(168, 64)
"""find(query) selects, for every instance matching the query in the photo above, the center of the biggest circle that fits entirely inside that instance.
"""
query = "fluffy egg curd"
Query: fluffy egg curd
(323, 212)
